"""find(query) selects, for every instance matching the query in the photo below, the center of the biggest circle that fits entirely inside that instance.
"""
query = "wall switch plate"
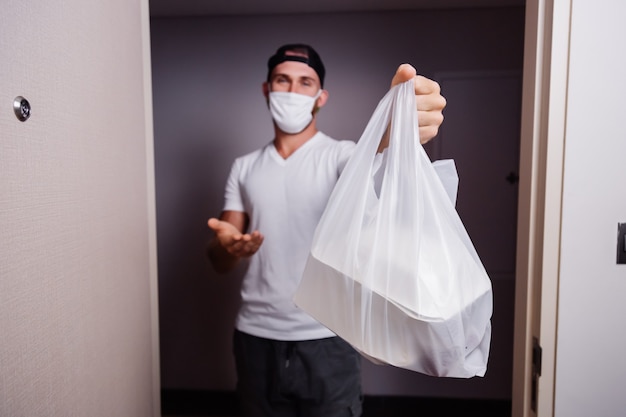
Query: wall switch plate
(621, 243)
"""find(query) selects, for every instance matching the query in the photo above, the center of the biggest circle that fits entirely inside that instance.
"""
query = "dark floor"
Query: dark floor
(212, 404)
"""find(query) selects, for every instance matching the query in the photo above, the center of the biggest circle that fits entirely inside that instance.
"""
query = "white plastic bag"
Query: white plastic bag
(391, 268)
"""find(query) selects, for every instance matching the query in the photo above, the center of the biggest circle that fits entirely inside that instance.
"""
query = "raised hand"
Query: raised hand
(429, 101)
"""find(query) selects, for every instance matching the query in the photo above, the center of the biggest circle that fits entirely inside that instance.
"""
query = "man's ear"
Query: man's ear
(266, 90)
(322, 99)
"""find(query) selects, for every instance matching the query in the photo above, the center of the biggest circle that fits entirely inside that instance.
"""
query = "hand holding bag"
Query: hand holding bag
(391, 268)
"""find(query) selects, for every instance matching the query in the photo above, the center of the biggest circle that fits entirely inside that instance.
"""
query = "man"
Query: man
(288, 364)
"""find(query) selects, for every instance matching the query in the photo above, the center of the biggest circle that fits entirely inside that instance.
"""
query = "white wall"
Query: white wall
(209, 109)
(591, 336)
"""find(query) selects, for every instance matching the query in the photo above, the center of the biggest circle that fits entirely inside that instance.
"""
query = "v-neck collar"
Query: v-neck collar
(278, 157)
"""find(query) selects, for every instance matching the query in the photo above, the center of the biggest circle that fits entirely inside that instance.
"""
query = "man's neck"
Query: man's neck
(286, 144)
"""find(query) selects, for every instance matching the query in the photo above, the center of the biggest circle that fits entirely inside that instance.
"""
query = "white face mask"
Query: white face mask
(292, 112)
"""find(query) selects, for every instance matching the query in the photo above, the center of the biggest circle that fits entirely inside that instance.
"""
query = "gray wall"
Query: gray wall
(208, 109)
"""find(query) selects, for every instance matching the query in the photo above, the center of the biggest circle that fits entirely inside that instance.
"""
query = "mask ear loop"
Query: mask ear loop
(316, 96)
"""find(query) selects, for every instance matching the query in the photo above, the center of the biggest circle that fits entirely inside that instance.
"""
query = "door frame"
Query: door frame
(544, 111)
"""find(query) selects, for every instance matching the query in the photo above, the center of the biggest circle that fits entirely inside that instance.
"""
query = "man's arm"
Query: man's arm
(429, 102)
(230, 242)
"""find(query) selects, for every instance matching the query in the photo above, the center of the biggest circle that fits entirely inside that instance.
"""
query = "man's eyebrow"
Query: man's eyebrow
(297, 77)
(280, 74)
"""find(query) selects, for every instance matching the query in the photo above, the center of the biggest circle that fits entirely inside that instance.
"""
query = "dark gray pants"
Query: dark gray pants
(312, 378)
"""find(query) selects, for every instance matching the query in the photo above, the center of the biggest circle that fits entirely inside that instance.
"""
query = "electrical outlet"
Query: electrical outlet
(621, 243)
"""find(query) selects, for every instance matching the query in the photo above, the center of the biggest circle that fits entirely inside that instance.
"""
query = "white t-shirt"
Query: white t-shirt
(285, 199)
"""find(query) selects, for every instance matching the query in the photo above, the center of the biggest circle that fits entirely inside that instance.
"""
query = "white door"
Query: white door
(77, 270)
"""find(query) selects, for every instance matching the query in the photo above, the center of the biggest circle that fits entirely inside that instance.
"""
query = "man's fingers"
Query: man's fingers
(213, 223)
(427, 133)
(235, 242)
(224, 230)
(430, 118)
(404, 73)
(219, 225)
(254, 240)
(246, 245)
(430, 102)
(425, 86)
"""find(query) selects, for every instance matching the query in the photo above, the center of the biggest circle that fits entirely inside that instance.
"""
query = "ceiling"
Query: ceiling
(180, 8)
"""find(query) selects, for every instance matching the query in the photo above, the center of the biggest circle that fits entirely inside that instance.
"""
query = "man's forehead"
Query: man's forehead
(295, 69)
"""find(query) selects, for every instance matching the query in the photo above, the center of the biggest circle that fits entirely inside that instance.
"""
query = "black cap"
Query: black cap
(305, 54)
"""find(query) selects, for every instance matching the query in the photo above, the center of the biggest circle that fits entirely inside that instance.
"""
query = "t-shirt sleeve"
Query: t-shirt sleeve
(345, 149)
(232, 193)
